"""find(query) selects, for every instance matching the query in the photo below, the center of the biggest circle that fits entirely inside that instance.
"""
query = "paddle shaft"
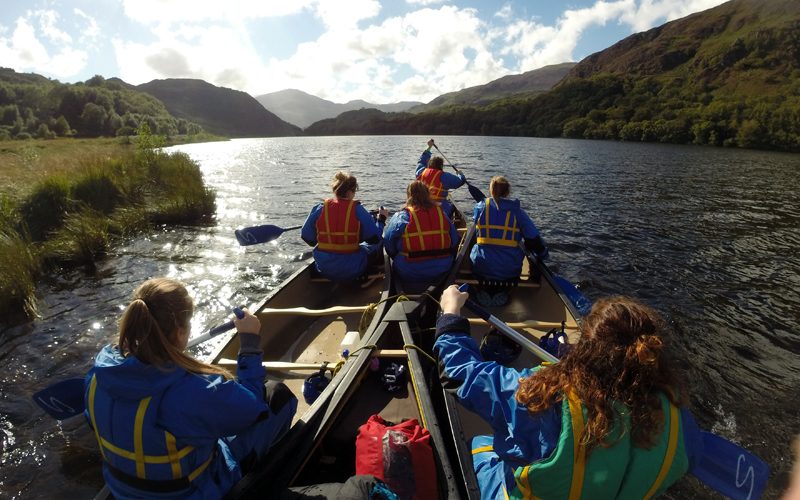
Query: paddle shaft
(507, 330)
(476, 193)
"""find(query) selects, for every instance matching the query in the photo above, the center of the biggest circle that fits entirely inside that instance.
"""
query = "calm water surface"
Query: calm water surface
(707, 236)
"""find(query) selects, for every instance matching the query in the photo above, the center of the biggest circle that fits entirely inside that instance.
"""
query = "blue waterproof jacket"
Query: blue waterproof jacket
(497, 262)
(488, 389)
(343, 266)
(449, 180)
(166, 426)
(425, 271)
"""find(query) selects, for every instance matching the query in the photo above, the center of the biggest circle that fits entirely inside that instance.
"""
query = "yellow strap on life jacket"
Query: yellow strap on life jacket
(578, 450)
(172, 452)
(173, 457)
(485, 229)
(138, 436)
(672, 446)
(92, 391)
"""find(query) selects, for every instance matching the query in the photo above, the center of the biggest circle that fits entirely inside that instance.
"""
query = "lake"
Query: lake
(707, 236)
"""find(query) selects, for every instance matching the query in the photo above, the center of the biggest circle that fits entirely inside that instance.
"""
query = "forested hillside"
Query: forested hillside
(34, 106)
(527, 84)
(728, 76)
(219, 110)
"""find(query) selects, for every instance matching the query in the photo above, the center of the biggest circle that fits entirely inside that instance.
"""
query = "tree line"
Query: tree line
(35, 107)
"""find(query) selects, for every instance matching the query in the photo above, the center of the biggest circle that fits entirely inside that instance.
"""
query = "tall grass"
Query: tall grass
(70, 220)
(19, 268)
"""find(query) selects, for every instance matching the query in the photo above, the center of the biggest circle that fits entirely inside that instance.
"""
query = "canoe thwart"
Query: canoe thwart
(304, 311)
(366, 278)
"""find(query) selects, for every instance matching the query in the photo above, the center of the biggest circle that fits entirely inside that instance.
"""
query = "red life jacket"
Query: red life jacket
(427, 234)
(398, 454)
(432, 177)
(338, 228)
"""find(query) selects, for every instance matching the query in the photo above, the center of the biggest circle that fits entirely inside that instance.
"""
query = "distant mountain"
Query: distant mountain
(727, 76)
(218, 110)
(302, 109)
(530, 83)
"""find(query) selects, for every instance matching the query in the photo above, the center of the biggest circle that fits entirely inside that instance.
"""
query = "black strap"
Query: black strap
(150, 485)
(438, 252)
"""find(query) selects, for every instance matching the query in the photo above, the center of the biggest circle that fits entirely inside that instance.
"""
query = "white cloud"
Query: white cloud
(505, 12)
(221, 55)
(335, 15)
(650, 13)
(90, 32)
(26, 48)
(171, 11)
(402, 58)
(48, 19)
(424, 2)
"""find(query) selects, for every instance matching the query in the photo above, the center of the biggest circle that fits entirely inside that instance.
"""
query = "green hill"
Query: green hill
(727, 76)
(34, 106)
(529, 83)
(218, 110)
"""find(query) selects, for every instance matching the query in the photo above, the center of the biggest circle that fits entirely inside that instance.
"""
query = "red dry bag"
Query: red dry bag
(400, 455)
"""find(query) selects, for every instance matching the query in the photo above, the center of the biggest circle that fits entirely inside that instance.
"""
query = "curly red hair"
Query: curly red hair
(619, 359)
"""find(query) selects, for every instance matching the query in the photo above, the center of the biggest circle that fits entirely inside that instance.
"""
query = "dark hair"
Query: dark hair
(418, 195)
(149, 326)
(342, 183)
(436, 162)
(619, 359)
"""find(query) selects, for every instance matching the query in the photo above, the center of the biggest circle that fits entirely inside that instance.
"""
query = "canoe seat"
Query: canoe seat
(494, 293)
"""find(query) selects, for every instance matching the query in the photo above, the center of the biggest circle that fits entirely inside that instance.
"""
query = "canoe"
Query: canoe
(538, 303)
(325, 452)
(322, 449)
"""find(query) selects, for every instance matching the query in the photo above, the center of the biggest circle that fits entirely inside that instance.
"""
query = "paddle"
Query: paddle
(64, 399)
(723, 466)
(260, 234)
(476, 193)
(510, 332)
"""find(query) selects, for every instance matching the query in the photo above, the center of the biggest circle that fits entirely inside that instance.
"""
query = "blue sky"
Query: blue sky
(377, 50)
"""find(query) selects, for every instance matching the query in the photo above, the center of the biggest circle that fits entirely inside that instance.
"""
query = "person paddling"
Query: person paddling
(168, 425)
(421, 239)
(496, 257)
(606, 421)
(430, 170)
(336, 229)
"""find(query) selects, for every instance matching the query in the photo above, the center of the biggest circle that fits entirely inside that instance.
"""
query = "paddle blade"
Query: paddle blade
(578, 299)
(62, 400)
(476, 193)
(260, 234)
(730, 469)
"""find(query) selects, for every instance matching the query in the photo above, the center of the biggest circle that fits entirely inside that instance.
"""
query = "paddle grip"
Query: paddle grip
(472, 305)
(217, 329)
